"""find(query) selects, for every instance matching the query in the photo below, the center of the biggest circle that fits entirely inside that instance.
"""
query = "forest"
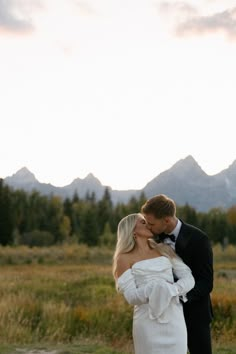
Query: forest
(36, 220)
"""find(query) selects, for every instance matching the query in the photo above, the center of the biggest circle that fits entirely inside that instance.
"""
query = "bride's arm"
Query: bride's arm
(162, 293)
(125, 283)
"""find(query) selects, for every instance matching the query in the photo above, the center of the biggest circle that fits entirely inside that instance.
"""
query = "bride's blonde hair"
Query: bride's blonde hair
(125, 240)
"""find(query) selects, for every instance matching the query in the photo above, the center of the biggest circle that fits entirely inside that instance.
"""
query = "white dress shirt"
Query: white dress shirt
(175, 232)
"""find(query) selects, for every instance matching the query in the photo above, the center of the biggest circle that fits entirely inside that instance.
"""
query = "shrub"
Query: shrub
(36, 238)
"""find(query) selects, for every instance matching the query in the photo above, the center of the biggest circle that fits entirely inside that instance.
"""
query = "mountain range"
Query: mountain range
(185, 182)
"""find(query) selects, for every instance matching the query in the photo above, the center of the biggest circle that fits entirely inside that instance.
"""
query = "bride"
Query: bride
(144, 272)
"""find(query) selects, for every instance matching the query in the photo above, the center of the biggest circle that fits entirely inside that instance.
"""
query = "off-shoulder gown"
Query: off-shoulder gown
(158, 320)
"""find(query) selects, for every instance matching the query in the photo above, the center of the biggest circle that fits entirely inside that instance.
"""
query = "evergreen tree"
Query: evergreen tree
(6, 219)
(89, 231)
(105, 208)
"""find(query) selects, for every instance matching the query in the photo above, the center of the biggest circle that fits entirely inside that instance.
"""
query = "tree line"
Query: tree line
(36, 220)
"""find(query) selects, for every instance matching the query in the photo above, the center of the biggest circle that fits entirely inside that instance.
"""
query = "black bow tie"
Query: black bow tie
(163, 236)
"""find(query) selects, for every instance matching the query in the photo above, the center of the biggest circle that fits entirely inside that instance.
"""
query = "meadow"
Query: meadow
(64, 298)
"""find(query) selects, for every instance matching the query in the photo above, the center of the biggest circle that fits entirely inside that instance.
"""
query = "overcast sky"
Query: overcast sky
(119, 88)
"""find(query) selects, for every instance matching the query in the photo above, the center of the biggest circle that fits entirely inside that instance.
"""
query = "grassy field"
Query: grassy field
(76, 348)
(63, 300)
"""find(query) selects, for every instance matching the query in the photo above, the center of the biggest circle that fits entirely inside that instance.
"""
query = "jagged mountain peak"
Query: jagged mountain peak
(188, 161)
(187, 166)
(229, 174)
(233, 165)
(23, 171)
(92, 180)
(90, 176)
(23, 175)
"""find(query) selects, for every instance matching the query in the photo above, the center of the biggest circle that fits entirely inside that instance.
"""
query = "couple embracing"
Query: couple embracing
(164, 267)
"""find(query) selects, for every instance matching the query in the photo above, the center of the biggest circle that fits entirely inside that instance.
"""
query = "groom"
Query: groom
(193, 246)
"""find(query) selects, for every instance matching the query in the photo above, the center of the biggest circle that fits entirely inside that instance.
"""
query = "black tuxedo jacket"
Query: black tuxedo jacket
(194, 247)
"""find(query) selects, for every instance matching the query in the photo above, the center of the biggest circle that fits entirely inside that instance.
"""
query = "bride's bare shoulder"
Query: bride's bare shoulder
(124, 262)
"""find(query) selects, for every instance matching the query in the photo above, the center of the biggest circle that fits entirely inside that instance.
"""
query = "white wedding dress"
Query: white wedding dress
(158, 320)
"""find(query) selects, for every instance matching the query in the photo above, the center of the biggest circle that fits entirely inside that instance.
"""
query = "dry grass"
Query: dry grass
(69, 295)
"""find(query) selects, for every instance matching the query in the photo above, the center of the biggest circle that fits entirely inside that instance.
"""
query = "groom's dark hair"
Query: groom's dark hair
(159, 206)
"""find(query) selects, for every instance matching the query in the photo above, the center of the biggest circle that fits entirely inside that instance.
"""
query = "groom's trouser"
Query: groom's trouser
(199, 339)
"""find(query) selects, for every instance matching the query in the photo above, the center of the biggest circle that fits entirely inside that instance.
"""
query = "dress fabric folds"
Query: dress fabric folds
(158, 321)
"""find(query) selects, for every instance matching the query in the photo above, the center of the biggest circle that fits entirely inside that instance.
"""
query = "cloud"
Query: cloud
(84, 8)
(224, 22)
(189, 20)
(15, 16)
(177, 9)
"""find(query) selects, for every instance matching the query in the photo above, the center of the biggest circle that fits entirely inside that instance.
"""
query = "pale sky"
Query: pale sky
(122, 89)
